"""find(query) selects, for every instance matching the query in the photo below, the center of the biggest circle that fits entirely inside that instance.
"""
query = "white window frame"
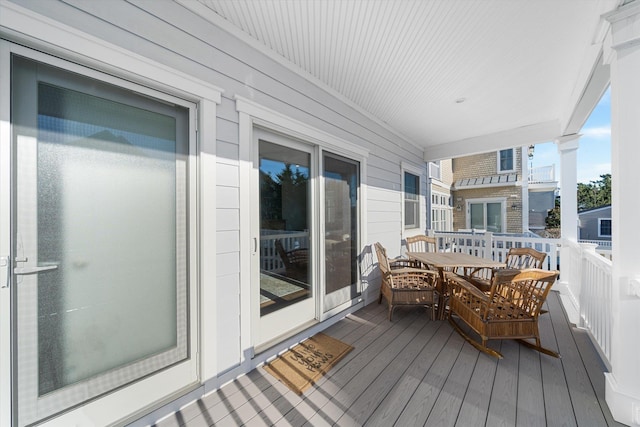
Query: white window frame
(485, 201)
(513, 156)
(413, 170)
(444, 209)
(600, 227)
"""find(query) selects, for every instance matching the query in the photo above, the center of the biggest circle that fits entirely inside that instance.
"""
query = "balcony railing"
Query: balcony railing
(585, 275)
(542, 174)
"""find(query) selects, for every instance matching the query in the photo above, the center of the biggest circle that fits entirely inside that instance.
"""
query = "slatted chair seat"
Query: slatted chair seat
(405, 282)
(509, 310)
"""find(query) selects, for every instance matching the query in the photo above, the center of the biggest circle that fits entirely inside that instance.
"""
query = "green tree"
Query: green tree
(595, 194)
(553, 218)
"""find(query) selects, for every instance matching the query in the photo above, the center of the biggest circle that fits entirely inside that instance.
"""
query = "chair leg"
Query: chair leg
(390, 311)
(482, 348)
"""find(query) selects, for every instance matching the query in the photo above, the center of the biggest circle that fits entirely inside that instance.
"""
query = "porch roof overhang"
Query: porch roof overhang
(452, 78)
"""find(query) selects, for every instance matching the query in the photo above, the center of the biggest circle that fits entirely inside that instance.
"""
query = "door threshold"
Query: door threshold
(280, 338)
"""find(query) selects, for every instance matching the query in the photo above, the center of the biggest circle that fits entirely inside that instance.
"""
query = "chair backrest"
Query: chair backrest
(421, 243)
(526, 290)
(522, 258)
(383, 260)
(282, 253)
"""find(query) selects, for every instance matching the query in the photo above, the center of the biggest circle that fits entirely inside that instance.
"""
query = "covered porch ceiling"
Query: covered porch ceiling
(452, 77)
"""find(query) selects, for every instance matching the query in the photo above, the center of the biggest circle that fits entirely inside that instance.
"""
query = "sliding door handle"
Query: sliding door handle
(33, 270)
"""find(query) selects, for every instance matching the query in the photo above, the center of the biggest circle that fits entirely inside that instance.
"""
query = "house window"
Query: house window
(434, 170)
(604, 227)
(441, 213)
(506, 160)
(486, 215)
(411, 200)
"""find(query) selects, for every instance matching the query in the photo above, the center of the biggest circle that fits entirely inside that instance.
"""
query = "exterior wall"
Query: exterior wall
(589, 225)
(206, 52)
(512, 195)
(480, 165)
(484, 164)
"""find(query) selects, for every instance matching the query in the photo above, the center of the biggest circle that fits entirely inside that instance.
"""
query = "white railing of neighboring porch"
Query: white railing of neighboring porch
(585, 275)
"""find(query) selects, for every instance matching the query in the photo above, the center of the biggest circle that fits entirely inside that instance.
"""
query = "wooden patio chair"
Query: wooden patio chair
(517, 259)
(405, 282)
(296, 261)
(421, 243)
(509, 310)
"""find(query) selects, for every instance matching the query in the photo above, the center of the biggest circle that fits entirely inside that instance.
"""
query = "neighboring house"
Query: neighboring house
(595, 224)
(488, 192)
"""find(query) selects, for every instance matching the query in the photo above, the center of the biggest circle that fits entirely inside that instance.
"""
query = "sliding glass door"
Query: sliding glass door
(302, 193)
(286, 252)
(99, 240)
(341, 227)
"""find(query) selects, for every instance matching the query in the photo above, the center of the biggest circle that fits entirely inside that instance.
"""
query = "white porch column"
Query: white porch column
(623, 383)
(568, 149)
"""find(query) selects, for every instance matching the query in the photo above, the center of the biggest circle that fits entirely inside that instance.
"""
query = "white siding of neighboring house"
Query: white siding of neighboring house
(212, 55)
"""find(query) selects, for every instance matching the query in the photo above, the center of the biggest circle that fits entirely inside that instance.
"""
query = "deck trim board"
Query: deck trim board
(415, 371)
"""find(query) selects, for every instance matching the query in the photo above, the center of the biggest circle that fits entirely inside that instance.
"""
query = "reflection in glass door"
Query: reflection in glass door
(286, 285)
(341, 213)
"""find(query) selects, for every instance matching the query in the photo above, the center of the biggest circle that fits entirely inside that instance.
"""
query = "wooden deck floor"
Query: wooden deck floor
(414, 372)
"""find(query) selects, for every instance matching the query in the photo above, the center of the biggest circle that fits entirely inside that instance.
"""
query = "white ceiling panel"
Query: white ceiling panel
(514, 64)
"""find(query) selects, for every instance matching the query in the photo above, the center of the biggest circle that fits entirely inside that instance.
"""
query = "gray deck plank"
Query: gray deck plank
(369, 399)
(447, 407)
(557, 401)
(502, 407)
(390, 408)
(530, 404)
(365, 348)
(421, 402)
(414, 371)
(475, 406)
(583, 396)
(363, 371)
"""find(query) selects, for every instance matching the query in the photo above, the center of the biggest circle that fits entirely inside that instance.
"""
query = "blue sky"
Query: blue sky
(594, 154)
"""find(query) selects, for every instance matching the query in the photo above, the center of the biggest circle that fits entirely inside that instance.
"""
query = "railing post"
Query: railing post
(582, 296)
(488, 245)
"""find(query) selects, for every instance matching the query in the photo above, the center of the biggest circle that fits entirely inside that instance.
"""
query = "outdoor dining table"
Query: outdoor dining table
(451, 261)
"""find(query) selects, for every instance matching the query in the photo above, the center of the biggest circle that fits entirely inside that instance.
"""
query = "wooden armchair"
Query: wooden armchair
(509, 310)
(517, 259)
(404, 282)
(296, 262)
(421, 243)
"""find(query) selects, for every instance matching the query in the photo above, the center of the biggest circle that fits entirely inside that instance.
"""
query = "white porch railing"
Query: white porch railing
(496, 246)
(585, 275)
(269, 258)
(589, 282)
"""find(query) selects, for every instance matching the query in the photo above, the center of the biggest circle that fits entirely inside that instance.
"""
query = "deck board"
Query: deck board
(415, 371)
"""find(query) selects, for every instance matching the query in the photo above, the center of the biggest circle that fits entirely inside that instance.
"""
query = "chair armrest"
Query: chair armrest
(461, 285)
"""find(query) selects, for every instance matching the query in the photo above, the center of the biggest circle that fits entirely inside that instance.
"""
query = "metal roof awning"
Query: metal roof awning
(502, 180)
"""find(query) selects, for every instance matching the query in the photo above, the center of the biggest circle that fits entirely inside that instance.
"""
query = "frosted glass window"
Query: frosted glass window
(111, 177)
(100, 199)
